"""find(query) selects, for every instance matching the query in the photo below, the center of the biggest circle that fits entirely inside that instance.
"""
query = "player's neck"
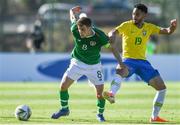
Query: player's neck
(90, 33)
(140, 25)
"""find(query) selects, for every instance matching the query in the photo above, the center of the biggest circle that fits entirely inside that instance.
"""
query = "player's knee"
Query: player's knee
(162, 87)
(99, 96)
(63, 87)
(121, 73)
(157, 83)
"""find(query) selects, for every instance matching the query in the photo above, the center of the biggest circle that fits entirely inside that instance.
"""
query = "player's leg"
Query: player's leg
(100, 102)
(72, 74)
(114, 87)
(116, 82)
(64, 97)
(158, 84)
(95, 77)
(63, 93)
(152, 77)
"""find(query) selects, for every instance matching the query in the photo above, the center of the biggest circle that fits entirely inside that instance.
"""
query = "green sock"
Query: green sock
(64, 97)
(101, 105)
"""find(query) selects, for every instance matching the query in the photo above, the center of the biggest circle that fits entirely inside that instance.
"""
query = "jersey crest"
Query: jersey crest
(144, 32)
(92, 43)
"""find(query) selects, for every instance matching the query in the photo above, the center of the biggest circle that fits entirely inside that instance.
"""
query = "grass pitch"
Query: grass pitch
(133, 103)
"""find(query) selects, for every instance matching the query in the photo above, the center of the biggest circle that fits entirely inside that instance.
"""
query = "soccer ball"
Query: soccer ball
(82, 15)
(23, 112)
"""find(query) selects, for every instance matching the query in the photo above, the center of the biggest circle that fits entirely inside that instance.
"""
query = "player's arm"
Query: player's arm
(170, 29)
(112, 35)
(74, 13)
(113, 46)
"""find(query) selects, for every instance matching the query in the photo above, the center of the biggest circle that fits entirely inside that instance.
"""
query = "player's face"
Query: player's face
(83, 31)
(138, 16)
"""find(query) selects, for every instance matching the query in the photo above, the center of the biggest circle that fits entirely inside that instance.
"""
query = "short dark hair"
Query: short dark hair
(141, 7)
(84, 21)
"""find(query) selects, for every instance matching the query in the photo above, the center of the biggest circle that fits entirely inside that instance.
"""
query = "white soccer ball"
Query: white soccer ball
(23, 112)
(82, 15)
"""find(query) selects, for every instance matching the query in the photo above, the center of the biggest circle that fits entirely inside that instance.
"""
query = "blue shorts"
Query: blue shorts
(142, 68)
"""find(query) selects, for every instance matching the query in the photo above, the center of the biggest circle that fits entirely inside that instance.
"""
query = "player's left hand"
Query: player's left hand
(76, 9)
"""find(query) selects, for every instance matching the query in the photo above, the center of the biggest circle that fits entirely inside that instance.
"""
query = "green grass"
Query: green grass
(133, 103)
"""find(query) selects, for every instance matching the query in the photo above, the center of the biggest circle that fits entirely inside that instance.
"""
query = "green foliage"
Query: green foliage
(133, 104)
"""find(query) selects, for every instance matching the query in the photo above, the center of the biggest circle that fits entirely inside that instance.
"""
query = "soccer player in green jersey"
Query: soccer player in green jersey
(135, 34)
(85, 61)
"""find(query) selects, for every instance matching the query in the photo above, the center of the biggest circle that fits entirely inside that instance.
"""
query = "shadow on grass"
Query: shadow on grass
(139, 122)
(66, 120)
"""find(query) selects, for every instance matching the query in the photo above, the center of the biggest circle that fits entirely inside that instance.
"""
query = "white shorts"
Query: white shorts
(92, 72)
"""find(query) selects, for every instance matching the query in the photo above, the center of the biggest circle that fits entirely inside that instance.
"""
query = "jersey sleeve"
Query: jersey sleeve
(73, 27)
(107, 45)
(104, 39)
(121, 28)
(155, 29)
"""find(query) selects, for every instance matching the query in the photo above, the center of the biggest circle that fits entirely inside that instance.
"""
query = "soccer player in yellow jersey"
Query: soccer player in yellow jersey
(135, 34)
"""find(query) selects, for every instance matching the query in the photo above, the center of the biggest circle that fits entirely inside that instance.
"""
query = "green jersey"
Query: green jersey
(88, 49)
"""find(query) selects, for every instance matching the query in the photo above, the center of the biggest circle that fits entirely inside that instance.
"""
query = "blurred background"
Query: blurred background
(47, 22)
(35, 37)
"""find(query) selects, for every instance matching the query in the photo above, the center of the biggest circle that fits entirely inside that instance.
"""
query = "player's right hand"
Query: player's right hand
(76, 9)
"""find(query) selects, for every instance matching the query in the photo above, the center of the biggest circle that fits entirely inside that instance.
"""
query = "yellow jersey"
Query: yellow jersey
(134, 39)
